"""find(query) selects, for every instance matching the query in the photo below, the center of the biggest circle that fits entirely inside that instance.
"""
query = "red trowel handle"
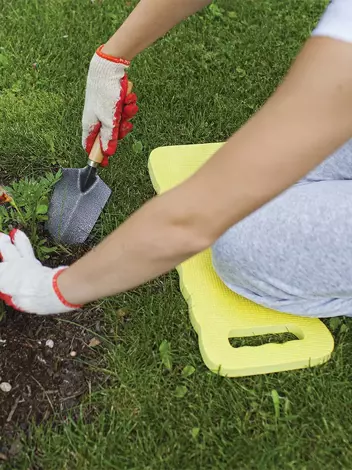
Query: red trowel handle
(96, 154)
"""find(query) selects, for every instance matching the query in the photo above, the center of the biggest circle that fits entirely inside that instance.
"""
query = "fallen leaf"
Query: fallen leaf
(94, 342)
(4, 196)
(187, 371)
(137, 147)
(122, 312)
(287, 406)
(334, 323)
(165, 354)
(3, 456)
(276, 401)
(241, 72)
(181, 391)
(195, 432)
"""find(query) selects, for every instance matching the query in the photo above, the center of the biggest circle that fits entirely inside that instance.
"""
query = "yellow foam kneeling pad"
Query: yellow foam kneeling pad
(218, 314)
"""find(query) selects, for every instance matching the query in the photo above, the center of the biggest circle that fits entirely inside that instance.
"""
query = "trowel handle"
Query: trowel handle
(129, 87)
(96, 154)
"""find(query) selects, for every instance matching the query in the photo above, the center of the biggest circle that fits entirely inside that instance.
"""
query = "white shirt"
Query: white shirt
(336, 22)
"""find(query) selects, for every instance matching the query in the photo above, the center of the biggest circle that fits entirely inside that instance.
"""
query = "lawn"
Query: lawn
(198, 84)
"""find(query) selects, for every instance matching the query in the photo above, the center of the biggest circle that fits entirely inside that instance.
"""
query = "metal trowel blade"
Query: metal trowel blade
(74, 212)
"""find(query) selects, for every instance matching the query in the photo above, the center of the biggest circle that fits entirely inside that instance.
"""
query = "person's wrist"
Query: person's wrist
(119, 48)
(101, 52)
(66, 290)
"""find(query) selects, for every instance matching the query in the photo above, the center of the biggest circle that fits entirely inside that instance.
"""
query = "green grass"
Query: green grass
(198, 84)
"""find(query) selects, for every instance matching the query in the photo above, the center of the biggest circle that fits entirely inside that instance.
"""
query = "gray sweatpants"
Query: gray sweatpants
(295, 253)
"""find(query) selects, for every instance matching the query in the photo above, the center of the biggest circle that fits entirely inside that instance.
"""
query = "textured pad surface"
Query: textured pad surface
(218, 314)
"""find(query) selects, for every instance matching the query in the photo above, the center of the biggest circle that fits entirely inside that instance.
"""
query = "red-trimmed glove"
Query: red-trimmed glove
(25, 284)
(108, 107)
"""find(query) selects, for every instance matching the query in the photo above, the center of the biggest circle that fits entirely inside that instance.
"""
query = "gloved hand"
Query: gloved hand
(108, 107)
(25, 284)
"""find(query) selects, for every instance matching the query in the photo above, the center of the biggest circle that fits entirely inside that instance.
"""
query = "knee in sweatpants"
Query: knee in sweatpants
(221, 256)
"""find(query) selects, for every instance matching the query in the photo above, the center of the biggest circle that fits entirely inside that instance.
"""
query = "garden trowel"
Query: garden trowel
(78, 200)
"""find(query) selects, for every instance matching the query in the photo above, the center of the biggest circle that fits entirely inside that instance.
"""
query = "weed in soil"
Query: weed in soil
(25, 204)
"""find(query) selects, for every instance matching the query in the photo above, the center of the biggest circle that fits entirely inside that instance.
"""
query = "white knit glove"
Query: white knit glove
(108, 105)
(25, 284)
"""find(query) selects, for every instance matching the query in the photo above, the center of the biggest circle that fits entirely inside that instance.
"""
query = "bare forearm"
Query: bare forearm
(151, 242)
(150, 20)
(305, 120)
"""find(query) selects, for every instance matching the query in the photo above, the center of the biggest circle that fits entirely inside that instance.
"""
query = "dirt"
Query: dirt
(47, 362)
(41, 359)
(47, 377)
